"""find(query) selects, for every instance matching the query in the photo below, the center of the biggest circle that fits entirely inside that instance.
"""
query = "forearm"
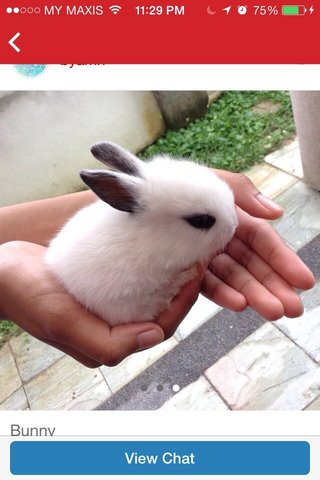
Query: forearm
(38, 221)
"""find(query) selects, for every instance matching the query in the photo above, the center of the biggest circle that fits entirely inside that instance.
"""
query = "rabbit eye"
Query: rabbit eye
(200, 220)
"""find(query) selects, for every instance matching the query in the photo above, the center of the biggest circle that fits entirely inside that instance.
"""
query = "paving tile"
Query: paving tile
(266, 106)
(305, 330)
(199, 395)
(9, 376)
(129, 368)
(266, 372)
(201, 311)
(270, 180)
(288, 159)
(314, 405)
(60, 385)
(32, 356)
(16, 401)
(301, 220)
(90, 399)
(186, 362)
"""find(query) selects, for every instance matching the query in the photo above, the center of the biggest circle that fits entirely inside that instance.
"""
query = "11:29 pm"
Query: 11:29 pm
(159, 10)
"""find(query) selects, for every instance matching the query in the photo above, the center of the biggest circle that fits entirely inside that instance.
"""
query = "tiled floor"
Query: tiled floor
(217, 359)
(266, 371)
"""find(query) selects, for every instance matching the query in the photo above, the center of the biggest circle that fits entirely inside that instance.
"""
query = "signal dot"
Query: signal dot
(16, 10)
(23, 10)
(9, 10)
(176, 388)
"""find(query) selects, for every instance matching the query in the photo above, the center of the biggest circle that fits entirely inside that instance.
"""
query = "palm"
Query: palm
(39, 304)
(257, 270)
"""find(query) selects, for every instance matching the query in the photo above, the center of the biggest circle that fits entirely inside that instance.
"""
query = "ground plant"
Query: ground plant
(239, 130)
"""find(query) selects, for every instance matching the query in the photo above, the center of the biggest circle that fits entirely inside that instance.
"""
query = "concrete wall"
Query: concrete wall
(45, 137)
(306, 110)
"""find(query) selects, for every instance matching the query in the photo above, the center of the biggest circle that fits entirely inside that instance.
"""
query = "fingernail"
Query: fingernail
(268, 203)
(149, 338)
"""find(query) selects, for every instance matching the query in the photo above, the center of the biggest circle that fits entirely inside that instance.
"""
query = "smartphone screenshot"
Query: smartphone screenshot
(159, 239)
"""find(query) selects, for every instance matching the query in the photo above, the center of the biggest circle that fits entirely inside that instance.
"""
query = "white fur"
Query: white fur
(126, 267)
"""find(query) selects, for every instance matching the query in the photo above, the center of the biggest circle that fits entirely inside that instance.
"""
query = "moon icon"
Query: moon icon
(209, 11)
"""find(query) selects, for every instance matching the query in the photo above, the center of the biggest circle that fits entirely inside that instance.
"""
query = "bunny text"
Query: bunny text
(19, 431)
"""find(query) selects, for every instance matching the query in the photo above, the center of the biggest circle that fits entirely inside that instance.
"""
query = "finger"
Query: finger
(248, 197)
(93, 338)
(181, 304)
(86, 361)
(222, 294)
(263, 239)
(260, 270)
(257, 296)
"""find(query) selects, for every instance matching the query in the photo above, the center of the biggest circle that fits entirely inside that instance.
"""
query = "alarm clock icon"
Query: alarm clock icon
(242, 10)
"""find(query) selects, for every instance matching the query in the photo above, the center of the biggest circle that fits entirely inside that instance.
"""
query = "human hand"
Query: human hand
(32, 298)
(258, 269)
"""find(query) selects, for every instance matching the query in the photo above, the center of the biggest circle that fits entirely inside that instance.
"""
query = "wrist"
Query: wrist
(38, 221)
(9, 269)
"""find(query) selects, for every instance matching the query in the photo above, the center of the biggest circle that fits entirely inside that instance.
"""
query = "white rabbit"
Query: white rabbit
(127, 255)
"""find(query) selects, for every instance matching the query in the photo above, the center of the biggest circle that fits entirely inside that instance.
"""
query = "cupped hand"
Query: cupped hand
(258, 269)
(32, 298)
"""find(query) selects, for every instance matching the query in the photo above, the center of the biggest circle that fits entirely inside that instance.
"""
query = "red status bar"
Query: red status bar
(199, 31)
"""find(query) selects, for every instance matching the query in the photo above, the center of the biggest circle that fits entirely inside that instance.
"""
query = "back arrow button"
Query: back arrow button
(12, 40)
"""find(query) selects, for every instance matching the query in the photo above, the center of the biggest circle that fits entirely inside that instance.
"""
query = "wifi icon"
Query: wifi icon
(115, 9)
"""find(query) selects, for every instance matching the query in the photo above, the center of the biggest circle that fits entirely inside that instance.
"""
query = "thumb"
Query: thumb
(130, 338)
(248, 197)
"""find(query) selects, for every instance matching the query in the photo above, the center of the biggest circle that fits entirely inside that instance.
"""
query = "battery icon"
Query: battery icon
(293, 9)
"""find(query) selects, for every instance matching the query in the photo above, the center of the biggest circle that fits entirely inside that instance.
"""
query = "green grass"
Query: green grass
(231, 135)
(8, 329)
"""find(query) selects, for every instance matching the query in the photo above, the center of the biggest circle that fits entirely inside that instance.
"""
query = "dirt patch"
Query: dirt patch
(266, 107)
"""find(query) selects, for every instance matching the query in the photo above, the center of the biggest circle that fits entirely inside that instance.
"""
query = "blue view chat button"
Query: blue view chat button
(160, 458)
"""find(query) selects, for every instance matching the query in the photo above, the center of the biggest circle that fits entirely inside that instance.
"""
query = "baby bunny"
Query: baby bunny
(127, 255)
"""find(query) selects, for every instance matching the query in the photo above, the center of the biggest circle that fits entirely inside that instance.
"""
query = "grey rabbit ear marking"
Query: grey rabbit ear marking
(116, 190)
(116, 158)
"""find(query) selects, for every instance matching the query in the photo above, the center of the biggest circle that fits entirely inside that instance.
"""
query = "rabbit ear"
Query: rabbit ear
(118, 190)
(117, 158)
